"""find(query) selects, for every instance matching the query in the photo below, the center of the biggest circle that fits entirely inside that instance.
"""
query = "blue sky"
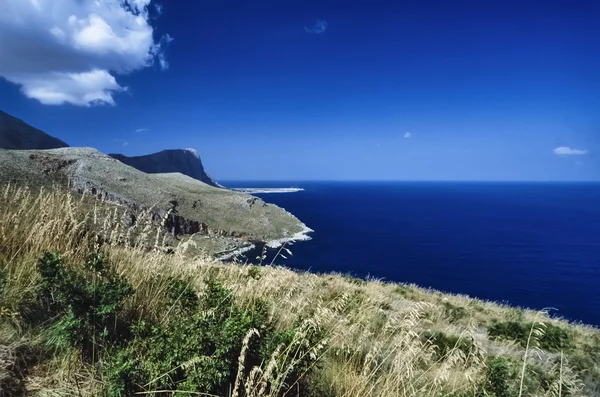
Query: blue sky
(421, 90)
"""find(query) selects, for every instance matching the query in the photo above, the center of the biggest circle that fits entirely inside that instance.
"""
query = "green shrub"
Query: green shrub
(444, 344)
(354, 280)
(554, 338)
(183, 295)
(198, 351)
(86, 303)
(503, 378)
(406, 291)
(499, 374)
(453, 312)
(254, 272)
(586, 361)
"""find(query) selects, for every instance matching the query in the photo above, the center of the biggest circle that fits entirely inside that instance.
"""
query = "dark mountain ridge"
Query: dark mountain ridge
(15, 134)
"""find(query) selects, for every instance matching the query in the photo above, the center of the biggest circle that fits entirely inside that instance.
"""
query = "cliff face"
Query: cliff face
(15, 134)
(185, 161)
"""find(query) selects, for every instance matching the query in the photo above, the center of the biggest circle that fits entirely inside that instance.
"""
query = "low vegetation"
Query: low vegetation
(91, 305)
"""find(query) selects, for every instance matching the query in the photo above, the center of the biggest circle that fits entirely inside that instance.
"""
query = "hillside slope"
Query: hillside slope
(82, 319)
(185, 161)
(15, 134)
(193, 206)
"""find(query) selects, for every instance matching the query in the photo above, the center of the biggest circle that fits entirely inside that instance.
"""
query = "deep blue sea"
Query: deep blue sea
(532, 245)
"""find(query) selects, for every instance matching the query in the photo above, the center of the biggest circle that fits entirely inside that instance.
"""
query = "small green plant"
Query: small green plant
(445, 344)
(553, 338)
(263, 255)
(499, 377)
(354, 280)
(254, 272)
(405, 291)
(453, 312)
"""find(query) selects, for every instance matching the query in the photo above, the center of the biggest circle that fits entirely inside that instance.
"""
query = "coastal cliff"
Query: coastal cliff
(220, 219)
(185, 161)
(172, 184)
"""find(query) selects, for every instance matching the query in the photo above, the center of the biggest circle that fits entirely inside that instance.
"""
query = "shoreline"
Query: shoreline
(259, 190)
(300, 236)
(273, 244)
(235, 252)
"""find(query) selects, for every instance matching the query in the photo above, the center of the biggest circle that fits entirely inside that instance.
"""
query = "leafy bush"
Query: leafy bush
(554, 338)
(503, 376)
(87, 302)
(183, 295)
(454, 313)
(198, 352)
(499, 374)
(195, 347)
(444, 344)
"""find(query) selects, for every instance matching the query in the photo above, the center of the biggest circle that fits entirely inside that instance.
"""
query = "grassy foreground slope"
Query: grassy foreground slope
(82, 315)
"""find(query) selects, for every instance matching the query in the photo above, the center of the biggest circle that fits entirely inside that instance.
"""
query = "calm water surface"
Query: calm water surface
(527, 244)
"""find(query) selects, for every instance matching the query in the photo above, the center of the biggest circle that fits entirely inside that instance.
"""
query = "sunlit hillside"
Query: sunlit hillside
(90, 306)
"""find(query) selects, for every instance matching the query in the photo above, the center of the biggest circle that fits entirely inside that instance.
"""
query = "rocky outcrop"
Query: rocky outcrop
(15, 134)
(185, 161)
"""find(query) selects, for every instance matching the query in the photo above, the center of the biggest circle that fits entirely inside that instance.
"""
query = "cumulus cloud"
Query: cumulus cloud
(70, 51)
(567, 151)
(317, 26)
(407, 135)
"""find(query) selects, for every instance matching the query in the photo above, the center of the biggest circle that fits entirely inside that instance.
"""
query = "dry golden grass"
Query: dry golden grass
(371, 341)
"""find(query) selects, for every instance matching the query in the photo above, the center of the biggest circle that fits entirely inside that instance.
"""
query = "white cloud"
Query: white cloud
(140, 130)
(122, 142)
(56, 88)
(567, 151)
(70, 51)
(407, 135)
(317, 26)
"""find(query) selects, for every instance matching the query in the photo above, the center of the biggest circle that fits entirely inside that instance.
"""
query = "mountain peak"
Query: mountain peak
(193, 151)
